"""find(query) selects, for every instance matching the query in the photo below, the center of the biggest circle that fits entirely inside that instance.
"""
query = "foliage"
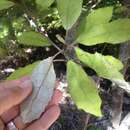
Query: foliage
(23, 71)
(42, 93)
(33, 39)
(101, 64)
(91, 32)
(83, 89)
(44, 4)
(66, 8)
(83, 24)
(4, 4)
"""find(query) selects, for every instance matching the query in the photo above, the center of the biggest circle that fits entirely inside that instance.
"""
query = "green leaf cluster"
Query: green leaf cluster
(96, 28)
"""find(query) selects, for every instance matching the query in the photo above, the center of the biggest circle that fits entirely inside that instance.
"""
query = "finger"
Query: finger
(2, 126)
(46, 120)
(57, 96)
(13, 96)
(10, 114)
(55, 100)
(19, 123)
(13, 112)
(11, 83)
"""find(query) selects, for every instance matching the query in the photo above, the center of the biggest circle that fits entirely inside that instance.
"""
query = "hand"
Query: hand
(12, 93)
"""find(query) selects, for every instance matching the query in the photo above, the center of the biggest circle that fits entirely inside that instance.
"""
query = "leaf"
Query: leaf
(105, 66)
(43, 80)
(99, 16)
(122, 84)
(27, 70)
(44, 4)
(5, 4)
(69, 11)
(96, 17)
(101, 64)
(33, 39)
(114, 32)
(92, 31)
(3, 53)
(115, 63)
(83, 89)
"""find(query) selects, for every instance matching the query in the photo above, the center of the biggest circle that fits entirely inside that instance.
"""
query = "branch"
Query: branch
(118, 93)
(33, 23)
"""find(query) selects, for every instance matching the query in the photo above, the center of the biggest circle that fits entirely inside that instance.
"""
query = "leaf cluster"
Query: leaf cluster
(89, 27)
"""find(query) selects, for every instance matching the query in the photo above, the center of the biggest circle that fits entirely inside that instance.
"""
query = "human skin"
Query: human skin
(13, 93)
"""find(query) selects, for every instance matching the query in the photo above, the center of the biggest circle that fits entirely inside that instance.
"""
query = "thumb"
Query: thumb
(12, 96)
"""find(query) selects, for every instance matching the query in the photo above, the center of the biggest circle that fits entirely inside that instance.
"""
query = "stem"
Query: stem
(71, 35)
(28, 13)
(118, 93)
(59, 49)
(86, 121)
(60, 52)
(60, 60)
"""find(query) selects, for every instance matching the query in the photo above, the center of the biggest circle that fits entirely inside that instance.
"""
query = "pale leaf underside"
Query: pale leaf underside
(43, 80)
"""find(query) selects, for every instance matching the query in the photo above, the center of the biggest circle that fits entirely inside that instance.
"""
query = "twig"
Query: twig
(28, 13)
(60, 60)
(86, 121)
(60, 52)
(59, 49)
(118, 93)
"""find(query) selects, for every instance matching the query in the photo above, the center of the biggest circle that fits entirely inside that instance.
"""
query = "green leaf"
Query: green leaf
(96, 17)
(97, 28)
(105, 66)
(33, 39)
(99, 16)
(114, 32)
(83, 89)
(3, 53)
(25, 71)
(5, 4)
(115, 63)
(69, 11)
(44, 4)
